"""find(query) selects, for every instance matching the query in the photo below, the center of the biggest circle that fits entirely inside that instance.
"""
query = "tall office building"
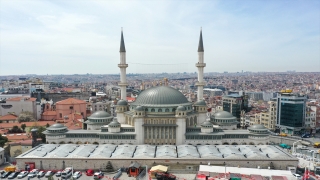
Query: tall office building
(234, 104)
(291, 112)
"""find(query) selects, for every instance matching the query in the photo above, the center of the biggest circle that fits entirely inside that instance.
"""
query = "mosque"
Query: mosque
(160, 115)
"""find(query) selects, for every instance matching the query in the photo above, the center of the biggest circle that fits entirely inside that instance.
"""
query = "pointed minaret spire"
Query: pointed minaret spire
(200, 65)
(200, 47)
(123, 65)
(122, 47)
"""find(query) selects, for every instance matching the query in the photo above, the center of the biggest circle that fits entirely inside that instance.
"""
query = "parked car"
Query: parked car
(316, 145)
(306, 135)
(22, 174)
(285, 146)
(297, 176)
(33, 173)
(77, 174)
(5, 174)
(41, 174)
(49, 173)
(58, 173)
(98, 175)
(89, 172)
(283, 134)
(13, 175)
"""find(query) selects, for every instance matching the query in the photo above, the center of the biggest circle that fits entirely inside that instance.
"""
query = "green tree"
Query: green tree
(3, 140)
(40, 131)
(47, 125)
(15, 129)
(26, 116)
(23, 127)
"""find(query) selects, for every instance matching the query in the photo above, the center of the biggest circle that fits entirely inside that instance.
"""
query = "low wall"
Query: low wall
(174, 163)
(289, 140)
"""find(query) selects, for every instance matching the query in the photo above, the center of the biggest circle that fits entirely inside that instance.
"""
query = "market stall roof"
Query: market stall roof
(159, 168)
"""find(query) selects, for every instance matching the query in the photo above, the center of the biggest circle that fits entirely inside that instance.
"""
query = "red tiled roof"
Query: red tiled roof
(27, 142)
(25, 98)
(28, 124)
(74, 125)
(50, 113)
(131, 99)
(15, 137)
(71, 101)
(8, 117)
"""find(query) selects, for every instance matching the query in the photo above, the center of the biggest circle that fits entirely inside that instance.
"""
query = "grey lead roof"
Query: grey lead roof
(122, 47)
(99, 115)
(223, 115)
(200, 47)
(160, 95)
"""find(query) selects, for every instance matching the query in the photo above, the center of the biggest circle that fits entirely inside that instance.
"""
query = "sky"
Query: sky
(83, 36)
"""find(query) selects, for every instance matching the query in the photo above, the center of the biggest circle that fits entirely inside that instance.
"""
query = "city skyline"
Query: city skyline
(61, 37)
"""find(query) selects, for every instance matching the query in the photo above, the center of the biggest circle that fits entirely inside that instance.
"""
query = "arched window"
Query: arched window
(167, 110)
(173, 109)
(159, 110)
(152, 110)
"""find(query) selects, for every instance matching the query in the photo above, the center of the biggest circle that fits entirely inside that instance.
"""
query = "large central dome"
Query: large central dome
(160, 95)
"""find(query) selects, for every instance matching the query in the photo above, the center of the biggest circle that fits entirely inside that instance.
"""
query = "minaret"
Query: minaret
(200, 65)
(123, 81)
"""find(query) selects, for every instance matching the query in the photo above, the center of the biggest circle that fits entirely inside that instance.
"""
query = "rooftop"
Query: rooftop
(110, 151)
(8, 117)
(71, 101)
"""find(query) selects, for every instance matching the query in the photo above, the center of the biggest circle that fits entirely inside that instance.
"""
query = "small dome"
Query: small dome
(99, 114)
(139, 108)
(257, 127)
(57, 126)
(181, 108)
(200, 103)
(114, 123)
(223, 115)
(207, 124)
(122, 103)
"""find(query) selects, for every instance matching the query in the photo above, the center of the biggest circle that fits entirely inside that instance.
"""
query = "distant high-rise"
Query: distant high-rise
(291, 112)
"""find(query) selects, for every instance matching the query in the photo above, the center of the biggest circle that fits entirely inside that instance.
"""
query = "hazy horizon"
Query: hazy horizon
(79, 37)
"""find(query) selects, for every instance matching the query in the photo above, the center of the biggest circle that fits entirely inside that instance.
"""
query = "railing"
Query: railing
(293, 137)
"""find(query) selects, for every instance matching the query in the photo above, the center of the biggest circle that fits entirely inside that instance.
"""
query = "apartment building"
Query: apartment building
(310, 120)
(316, 108)
(268, 116)
(16, 105)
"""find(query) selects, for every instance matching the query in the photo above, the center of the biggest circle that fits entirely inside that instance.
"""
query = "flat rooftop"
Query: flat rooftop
(126, 151)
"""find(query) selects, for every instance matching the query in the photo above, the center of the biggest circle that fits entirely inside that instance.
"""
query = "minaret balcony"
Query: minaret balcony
(122, 65)
(200, 83)
(123, 84)
(200, 64)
